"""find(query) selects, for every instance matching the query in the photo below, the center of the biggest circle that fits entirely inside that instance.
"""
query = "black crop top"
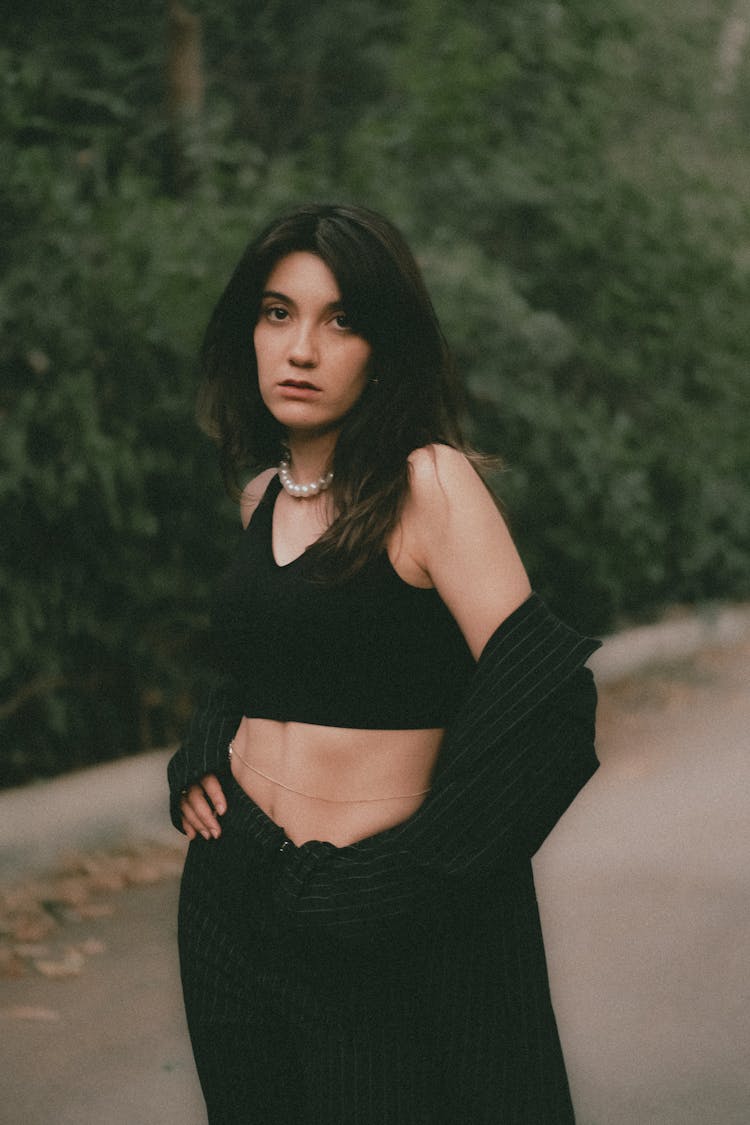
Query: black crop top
(372, 652)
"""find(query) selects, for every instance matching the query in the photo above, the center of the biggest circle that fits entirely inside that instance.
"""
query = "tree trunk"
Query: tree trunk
(185, 88)
(733, 40)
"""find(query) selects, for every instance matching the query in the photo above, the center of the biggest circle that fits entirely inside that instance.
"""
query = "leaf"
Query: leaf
(29, 1012)
(71, 965)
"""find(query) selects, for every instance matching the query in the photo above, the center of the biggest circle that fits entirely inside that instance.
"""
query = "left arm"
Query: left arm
(458, 538)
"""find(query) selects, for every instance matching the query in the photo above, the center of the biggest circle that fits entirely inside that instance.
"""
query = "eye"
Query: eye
(341, 320)
(275, 313)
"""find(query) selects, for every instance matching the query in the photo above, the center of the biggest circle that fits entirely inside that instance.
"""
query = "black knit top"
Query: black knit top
(372, 652)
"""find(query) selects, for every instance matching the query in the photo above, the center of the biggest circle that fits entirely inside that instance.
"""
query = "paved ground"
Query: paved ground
(645, 890)
(93, 1032)
(645, 895)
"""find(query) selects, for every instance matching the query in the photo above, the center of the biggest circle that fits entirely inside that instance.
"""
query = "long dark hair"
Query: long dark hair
(412, 400)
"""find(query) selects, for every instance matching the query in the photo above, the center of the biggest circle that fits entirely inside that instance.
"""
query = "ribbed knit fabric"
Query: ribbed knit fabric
(402, 979)
(378, 653)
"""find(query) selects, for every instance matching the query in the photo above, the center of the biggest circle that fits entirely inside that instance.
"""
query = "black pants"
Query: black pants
(440, 1018)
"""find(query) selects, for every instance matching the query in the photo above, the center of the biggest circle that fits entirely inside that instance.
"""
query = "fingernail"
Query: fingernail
(205, 834)
(221, 809)
(215, 833)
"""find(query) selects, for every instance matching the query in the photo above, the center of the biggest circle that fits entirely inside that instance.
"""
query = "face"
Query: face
(312, 368)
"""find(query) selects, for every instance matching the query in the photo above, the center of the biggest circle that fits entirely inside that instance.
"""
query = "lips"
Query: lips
(299, 384)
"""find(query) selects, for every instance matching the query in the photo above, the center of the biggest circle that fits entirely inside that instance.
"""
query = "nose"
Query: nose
(303, 349)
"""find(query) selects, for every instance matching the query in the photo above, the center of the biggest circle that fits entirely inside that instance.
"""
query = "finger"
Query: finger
(192, 824)
(213, 790)
(197, 811)
(188, 830)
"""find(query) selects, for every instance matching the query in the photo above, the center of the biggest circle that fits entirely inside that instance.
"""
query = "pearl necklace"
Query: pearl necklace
(302, 491)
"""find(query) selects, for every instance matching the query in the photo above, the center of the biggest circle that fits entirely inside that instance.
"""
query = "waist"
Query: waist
(333, 784)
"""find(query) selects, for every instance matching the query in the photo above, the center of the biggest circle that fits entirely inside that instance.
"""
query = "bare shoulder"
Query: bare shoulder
(441, 476)
(458, 537)
(252, 494)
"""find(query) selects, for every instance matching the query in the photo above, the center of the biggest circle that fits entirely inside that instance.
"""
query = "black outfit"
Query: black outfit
(374, 652)
(400, 980)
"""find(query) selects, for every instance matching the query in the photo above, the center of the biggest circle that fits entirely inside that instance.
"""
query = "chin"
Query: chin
(299, 418)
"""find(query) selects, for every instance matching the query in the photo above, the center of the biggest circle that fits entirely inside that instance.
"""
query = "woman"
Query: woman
(400, 721)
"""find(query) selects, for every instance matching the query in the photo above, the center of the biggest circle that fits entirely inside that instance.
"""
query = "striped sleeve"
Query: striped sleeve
(518, 752)
(204, 749)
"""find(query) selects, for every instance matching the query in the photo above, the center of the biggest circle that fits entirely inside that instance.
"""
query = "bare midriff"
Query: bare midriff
(333, 783)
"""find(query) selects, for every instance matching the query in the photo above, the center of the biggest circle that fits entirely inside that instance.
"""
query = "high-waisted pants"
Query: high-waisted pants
(438, 1019)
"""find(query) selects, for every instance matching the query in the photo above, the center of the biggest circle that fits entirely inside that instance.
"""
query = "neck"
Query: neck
(311, 454)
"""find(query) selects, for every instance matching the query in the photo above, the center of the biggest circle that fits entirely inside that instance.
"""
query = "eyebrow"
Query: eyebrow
(275, 295)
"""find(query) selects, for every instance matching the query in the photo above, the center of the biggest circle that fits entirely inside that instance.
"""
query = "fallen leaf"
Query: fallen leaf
(71, 965)
(91, 910)
(44, 1015)
(32, 927)
(11, 965)
(70, 891)
(143, 871)
(32, 949)
(92, 947)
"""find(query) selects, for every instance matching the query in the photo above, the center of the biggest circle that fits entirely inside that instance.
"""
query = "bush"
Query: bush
(596, 303)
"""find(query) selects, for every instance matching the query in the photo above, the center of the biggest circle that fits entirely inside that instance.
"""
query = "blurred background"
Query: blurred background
(575, 178)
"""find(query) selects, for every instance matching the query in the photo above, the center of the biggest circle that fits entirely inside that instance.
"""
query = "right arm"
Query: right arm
(196, 795)
(194, 772)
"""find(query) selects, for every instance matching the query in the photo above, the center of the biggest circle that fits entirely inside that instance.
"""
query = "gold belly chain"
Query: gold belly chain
(312, 797)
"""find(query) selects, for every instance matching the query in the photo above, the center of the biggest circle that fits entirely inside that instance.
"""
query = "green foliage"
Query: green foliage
(576, 188)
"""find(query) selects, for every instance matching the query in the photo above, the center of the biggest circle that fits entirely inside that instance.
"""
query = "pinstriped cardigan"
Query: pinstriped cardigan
(515, 756)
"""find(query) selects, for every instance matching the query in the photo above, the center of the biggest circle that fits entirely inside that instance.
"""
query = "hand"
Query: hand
(200, 805)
